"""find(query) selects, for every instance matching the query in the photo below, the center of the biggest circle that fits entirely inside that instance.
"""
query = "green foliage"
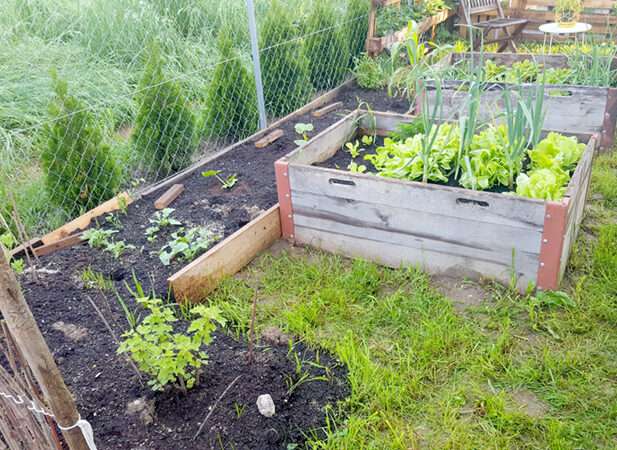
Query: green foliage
(79, 170)
(544, 184)
(231, 100)
(170, 357)
(326, 47)
(485, 165)
(226, 183)
(161, 219)
(93, 279)
(370, 72)
(186, 245)
(356, 26)
(100, 238)
(164, 129)
(557, 152)
(285, 66)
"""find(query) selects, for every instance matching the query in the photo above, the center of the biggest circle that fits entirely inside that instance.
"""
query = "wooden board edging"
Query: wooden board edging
(195, 281)
(283, 189)
(82, 222)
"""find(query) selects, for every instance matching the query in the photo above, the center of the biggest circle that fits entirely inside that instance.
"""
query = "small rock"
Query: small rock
(142, 407)
(73, 332)
(274, 336)
(265, 404)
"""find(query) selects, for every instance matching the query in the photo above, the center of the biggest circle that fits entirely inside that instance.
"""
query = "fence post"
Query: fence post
(261, 104)
(30, 341)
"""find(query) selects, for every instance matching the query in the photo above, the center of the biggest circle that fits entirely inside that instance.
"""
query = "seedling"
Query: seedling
(187, 244)
(96, 280)
(356, 168)
(354, 149)
(8, 240)
(240, 409)
(226, 183)
(118, 248)
(113, 220)
(98, 237)
(18, 266)
(161, 219)
(170, 357)
(303, 129)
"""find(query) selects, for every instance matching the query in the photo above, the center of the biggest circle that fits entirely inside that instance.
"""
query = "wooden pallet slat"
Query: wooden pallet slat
(169, 196)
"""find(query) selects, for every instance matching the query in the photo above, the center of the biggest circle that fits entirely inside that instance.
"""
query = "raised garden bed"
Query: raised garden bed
(247, 217)
(441, 228)
(572, 109)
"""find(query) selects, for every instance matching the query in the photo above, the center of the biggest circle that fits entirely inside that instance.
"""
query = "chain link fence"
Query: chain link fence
(102, 96)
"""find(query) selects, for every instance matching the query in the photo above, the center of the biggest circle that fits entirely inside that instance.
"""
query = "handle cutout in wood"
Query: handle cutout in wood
(341, 182)
(469, 201)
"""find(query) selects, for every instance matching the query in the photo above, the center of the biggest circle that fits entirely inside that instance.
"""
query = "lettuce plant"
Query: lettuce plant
(546, 184)
(557, 152)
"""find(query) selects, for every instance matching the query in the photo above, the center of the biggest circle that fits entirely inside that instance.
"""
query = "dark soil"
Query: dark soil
(104, 383)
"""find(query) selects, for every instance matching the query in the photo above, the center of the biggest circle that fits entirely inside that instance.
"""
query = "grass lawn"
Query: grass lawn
(482, 368)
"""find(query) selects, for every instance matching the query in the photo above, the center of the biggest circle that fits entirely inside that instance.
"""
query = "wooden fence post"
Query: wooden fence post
(30, 341)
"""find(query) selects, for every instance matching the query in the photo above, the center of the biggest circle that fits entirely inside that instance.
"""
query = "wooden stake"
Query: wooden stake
(169, 196)
(269, 138)
(30, 341)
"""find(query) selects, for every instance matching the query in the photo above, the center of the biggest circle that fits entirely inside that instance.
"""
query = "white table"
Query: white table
(553, 28)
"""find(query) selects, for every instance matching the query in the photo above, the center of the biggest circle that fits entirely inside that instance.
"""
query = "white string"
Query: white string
(84, 425)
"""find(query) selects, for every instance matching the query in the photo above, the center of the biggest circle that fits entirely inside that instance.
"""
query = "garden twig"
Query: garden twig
(113, 335)
(215, 405)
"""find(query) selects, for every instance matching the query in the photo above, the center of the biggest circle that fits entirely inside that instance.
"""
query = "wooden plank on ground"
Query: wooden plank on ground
(269, 138)
(82, 222)
(327, 109)
(169, 196)
(202, 276)
(61, 244)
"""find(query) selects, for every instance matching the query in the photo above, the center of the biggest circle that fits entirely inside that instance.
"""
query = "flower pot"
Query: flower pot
(566, 19)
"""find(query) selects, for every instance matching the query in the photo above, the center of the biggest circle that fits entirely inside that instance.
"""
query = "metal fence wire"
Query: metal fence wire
(101, 96)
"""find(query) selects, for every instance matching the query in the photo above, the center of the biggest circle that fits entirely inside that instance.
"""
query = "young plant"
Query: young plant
(117, 248)
(93, 279)
(168, 356)
(161, 219)
(187, 244)
(226, 183)
(303, 129)
(356, 168)
(98, 237)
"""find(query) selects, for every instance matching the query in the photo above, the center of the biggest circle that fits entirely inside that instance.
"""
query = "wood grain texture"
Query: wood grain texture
(195, 281)
(61, 244)
(83, 221)
(327, 109)
(169, 196)
(269, 138)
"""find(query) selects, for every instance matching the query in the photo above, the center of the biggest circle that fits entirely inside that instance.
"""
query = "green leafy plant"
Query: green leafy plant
(231, 97)
(117, 248)
(226, 183)
(170, 357)
(543, 184)
(165, 126)
(303, 129)
(93, 279)
(187, 244)
(286, 77)
(18, 266)
(161, 219)
(98, 237)
(326, 46)
(369, 72)
(80, 172)
(356, 168)
(557, 151)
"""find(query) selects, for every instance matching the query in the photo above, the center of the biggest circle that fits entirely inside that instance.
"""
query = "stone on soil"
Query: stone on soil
(265, 404)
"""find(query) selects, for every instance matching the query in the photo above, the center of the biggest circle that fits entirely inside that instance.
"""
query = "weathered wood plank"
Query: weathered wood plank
(327, 109)
(169, 196)
(83, 221)
(269, 138)
(467, 232)
(395, 255)
(488, 207)
(195, 281)
(61, 244)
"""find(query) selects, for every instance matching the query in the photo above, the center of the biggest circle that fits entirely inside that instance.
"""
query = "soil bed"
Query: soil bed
(104, 383)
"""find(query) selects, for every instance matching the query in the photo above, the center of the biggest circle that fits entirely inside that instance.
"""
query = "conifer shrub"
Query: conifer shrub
(356, 24)
(164, 133)
(326, 46)
(80, 172)
(231, 100)
(285, 66)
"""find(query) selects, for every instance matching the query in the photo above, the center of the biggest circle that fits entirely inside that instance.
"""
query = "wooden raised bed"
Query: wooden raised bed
(443, 229)
(375, 44)
(569, 109)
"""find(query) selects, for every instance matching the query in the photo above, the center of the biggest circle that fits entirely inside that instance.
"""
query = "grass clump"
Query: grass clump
(231, 101)
(79, 171)
(164, 130)
(285, 66)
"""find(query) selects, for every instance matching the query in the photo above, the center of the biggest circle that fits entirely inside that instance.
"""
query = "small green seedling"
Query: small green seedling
(367, 140)
(93, 279)
(187, 244)
(161, 219)
(97, 237)
(356, 168)
(118, 248)
(303, 129)
(113, 220)
(18, 266)
(226, 183)
(354, 149)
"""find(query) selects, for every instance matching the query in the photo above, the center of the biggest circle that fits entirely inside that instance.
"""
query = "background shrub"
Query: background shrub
(356, 26)
(285, 67)
(231, 101)
(164, 131)
(326, 47)
(79, 171)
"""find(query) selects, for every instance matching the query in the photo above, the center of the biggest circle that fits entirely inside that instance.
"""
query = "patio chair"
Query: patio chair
(501, 22)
